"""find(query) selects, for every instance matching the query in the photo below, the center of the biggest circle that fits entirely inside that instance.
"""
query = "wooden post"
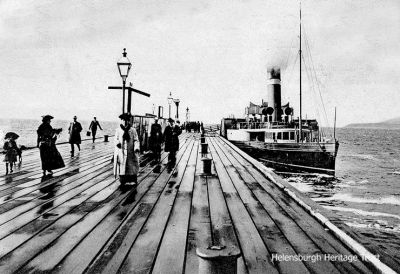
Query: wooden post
(218, 260)
(204, 148)
(206, 165)
(105, 138)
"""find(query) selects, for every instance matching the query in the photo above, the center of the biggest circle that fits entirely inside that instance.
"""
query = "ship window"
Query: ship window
(291, 135)
(257, 136)
(274, 134)
(279, 135)
(285, 135)
(269, 135)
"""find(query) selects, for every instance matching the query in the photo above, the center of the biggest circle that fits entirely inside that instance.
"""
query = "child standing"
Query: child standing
(11, 150)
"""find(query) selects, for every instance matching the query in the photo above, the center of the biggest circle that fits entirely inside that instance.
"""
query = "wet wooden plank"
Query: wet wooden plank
(35, 184)
(20, 181)
(113, 254)
(314, 230)
(20, 235)
(35, 227)
(175, 235)
(199, 229)
(222, 230)
(90, 224)
(53, 254)
(294, 234)
(144, 250)
(254, 252)
(274, 239)
(61, 185)
(41, 207)
(12, 261)
(116, 224)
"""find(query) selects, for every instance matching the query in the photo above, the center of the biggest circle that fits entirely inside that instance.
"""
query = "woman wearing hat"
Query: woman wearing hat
(126, 151)
(46, 142)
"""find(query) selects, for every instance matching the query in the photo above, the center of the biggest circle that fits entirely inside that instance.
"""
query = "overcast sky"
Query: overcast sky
(59, 57)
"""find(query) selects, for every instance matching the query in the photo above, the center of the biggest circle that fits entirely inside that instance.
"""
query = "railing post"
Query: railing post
(204, 148)
(105, 138)
(206, 165)
(218, 260)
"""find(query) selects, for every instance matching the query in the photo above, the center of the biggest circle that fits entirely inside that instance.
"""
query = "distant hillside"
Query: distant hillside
(393, 121)
(390, 124)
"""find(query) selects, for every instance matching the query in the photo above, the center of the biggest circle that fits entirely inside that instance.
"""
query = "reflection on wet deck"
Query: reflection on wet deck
(81, 220)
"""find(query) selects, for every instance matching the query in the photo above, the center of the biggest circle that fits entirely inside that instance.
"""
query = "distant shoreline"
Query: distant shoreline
(39, 120)
(374, 126)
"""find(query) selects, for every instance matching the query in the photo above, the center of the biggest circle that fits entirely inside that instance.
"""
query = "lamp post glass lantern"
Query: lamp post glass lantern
(170, 100)
(124, 66)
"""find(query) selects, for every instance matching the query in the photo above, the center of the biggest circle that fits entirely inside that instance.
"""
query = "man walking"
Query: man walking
(171, 139)
(74, 131)
(93, 126)
(155, 141)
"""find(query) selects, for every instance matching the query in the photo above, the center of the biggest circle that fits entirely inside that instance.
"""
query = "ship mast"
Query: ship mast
(300, 120)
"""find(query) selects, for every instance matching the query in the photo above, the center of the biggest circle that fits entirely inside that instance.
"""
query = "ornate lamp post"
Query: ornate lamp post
(176, 101)
(124, 65)
(170, 100)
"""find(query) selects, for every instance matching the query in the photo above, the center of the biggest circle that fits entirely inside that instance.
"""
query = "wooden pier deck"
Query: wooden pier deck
(79, 220)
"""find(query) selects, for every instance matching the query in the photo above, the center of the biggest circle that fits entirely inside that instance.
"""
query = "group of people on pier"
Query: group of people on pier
(127, 147)
(126, 150)
(195, 126)
(47, 137)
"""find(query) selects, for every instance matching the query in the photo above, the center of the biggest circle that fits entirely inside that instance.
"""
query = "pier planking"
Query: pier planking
(82, 221)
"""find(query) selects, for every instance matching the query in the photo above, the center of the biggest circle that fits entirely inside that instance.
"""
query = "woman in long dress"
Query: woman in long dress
(46, 142)
(126, 151)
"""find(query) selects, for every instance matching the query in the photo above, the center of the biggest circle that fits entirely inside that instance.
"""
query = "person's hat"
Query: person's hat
(47, 117)
(75, 117)
(178, 122)
(125, 116)
(171, 120)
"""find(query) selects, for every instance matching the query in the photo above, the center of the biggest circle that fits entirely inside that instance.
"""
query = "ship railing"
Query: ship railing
(258, 125)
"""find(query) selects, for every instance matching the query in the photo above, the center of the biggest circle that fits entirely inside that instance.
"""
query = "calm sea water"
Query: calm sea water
(366, 189)
(26, 129)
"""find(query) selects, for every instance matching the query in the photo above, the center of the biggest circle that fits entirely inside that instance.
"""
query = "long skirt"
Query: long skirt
(11, 156)
(51, 158)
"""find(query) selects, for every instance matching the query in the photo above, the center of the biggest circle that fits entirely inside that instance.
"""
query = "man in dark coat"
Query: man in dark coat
(93, 126)
(171, 139)
(74, 131)
(156, 139)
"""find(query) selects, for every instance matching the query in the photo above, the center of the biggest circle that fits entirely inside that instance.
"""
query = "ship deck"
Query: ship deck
(81, 220)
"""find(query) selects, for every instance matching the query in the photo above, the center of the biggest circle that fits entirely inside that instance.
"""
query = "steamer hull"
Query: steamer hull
(293, 157)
